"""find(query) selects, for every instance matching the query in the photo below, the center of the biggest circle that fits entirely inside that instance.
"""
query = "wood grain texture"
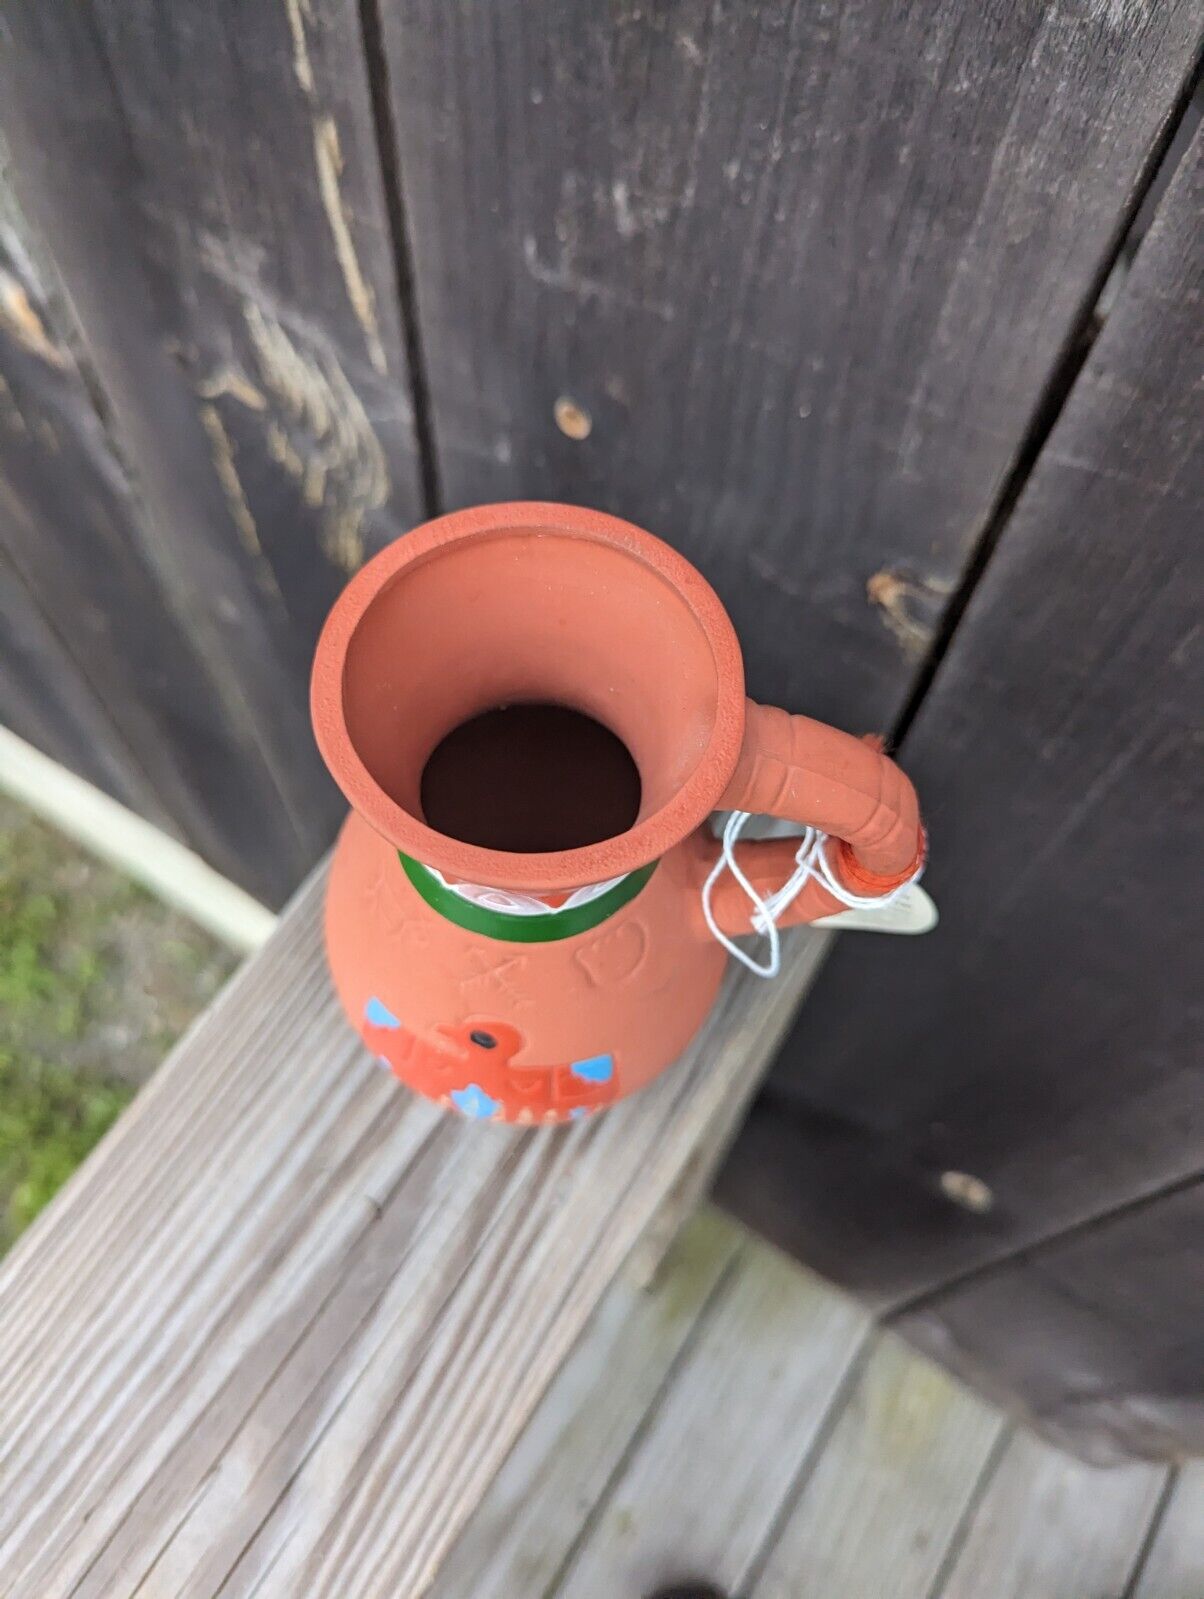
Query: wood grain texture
(277, 1335)
(631, 1475)
(526, 1526)
(901, 1469)
(44, 700)
(71, 525)
(807, 269)
(1049, 1526)
(1100, 1334)
(44, 696)
(700, 1492)
(1174, 1564)
(208, 184)
(1045, 1039)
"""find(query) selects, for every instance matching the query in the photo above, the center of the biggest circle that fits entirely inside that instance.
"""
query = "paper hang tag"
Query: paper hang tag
(912, 912)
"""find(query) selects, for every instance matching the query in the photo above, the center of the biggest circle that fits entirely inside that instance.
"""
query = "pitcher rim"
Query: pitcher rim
(649, 838)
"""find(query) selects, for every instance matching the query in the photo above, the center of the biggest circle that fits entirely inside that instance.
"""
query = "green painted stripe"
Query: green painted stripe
(523, 929)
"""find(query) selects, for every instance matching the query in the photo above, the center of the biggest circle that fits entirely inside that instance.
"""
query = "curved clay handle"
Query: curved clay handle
(810, 773)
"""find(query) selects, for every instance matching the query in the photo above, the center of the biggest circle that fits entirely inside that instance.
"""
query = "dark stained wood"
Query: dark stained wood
(1045, 1039)
(808, 268)
(156, 732)
(45, 700)
(44, 697)
(208, 183)
(1100, 1334)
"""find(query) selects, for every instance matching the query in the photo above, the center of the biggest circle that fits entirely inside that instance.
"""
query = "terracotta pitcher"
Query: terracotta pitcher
(533, 709)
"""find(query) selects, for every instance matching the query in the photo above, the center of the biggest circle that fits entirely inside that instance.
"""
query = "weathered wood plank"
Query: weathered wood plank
(281, 1330)
(719, 1454)
(808, 269)
(1045, 1040)
(809, 951)
(1100, 1335)
(71, 525)
(905, 1457)
(1048, 1526)
(891, 1488)
(1175, 1562)
(43, 695)
(915, 1483)
(525, 1527)
(43, 699)
(208, 183)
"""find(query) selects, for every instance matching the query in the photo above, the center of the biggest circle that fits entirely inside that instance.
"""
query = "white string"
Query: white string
(811, 860)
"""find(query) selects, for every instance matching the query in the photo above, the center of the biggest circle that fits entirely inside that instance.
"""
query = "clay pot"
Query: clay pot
(513, 917)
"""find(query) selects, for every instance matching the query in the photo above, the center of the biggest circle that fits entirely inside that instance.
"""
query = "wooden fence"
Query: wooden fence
(888, 316)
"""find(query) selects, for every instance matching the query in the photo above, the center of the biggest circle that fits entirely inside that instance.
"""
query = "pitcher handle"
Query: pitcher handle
(815, 775)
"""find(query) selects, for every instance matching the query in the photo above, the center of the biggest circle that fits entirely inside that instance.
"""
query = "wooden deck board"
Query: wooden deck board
(902, 1465)
(700, 1493)
(282, 1329)
(784, 1450)
(1049, 1525)
(529, 1522)
(1174, 1564)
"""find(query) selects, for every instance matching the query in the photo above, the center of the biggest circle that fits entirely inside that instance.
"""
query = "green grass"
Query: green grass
(97, 980)
(50, 1116)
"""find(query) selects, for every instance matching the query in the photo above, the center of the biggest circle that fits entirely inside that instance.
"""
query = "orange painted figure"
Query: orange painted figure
(533, 710)
(471, 1069)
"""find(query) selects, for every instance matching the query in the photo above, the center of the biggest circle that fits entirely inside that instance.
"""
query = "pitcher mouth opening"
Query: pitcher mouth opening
(529, 604)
